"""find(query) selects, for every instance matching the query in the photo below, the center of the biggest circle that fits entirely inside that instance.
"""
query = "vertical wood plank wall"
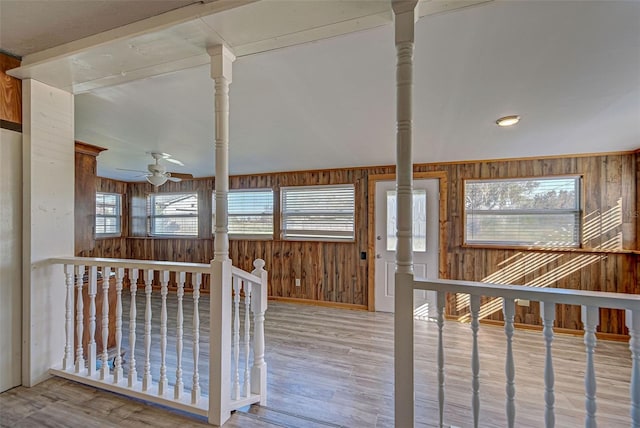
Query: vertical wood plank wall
(10, 94)
(335, 273)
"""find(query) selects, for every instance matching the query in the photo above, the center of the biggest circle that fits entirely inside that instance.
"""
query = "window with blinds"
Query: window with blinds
(108, 214)
(173, 214)
(318, 212)
(250, 213)
(540, 212)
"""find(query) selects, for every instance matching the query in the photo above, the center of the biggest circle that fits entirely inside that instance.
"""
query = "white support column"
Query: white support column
(404, 12)
(48, 225)
(220, 302)
(221, 65)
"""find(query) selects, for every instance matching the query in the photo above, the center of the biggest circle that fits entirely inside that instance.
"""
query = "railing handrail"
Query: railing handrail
(556, 295)
(134, 264)
(247, 276)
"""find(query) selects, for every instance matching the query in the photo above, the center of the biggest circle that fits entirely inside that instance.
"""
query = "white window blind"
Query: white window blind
(173, 214)
(543, 212)
(318, 212)
(108, 214)
(250, 212)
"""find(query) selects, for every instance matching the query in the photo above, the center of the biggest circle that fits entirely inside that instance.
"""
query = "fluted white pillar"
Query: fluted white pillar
(221, 65)
(404, 12)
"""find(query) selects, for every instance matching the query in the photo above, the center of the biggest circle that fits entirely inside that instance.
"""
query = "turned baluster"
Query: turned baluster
(475, 359)
(548, 310)
(164, 289)
(117, 367)
(79, 319)
(440, 301)
(106, 273)
(133, 374)
(590, 319)
(91, 348)
(178, 389)
(236, 338)
(633, 324)
(67, 361)
(146, 375)
(509, 310)
(195, 390)
(247, 338)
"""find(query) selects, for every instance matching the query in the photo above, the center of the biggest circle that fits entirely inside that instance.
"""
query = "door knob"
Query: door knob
(378, 256)
(379, 238)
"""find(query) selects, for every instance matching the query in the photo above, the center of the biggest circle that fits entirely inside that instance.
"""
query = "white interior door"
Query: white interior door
(425, 242)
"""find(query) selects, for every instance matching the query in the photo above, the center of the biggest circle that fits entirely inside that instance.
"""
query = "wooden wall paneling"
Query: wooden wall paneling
(137, 198)
(334, 272)
(85, 195)
(629, 201)
(10, 94)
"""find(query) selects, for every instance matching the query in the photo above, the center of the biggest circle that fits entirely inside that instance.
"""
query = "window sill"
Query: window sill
(552, 250)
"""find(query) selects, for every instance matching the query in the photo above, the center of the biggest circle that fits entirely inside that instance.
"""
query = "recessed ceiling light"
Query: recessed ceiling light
(508, 120)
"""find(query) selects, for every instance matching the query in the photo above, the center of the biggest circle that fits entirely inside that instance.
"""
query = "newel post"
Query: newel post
(220, 342)
(404, 12)
(259, 307)
(220, 301)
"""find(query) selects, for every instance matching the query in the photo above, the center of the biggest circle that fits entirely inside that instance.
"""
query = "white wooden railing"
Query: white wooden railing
(590, 301)
(237, 370)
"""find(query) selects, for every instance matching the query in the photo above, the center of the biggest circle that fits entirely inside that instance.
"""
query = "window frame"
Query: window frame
(577, 211)
(246, 236)
(118, 216)
(310, 237)
(151, 216)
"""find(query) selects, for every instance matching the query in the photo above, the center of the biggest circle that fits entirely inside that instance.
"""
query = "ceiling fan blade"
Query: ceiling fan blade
(176, 161)
(132, 170)
(174, 179)
(181, 175)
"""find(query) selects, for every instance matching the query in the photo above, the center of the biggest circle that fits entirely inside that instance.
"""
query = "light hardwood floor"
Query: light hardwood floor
(334, 368)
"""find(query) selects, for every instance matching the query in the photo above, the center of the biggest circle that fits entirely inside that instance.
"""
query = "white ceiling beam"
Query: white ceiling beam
(135, 29)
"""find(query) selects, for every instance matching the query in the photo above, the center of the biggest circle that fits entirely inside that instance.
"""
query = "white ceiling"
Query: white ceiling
(570, 69)
(29, 26)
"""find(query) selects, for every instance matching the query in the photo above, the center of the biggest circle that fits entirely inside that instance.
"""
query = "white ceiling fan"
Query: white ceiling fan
(157, 173)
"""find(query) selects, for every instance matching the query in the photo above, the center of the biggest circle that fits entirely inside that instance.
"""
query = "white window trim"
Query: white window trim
(577, 211)
(118, 217)
(151, 216)
(348, 236)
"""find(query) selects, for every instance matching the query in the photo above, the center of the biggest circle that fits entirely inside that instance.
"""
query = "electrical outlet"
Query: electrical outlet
(297, 282)
(522, 302)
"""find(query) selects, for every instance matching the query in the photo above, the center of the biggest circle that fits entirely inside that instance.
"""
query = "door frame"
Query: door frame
(371, 232)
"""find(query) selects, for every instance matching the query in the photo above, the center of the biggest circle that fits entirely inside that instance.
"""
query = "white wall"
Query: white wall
(48, 225)
(10, 258)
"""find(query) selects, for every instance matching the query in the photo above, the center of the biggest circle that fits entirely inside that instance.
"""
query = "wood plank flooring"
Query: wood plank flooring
(334, 368)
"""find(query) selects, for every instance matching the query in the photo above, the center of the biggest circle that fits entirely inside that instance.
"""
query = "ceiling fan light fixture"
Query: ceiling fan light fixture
(508, 120)
(157, 180)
